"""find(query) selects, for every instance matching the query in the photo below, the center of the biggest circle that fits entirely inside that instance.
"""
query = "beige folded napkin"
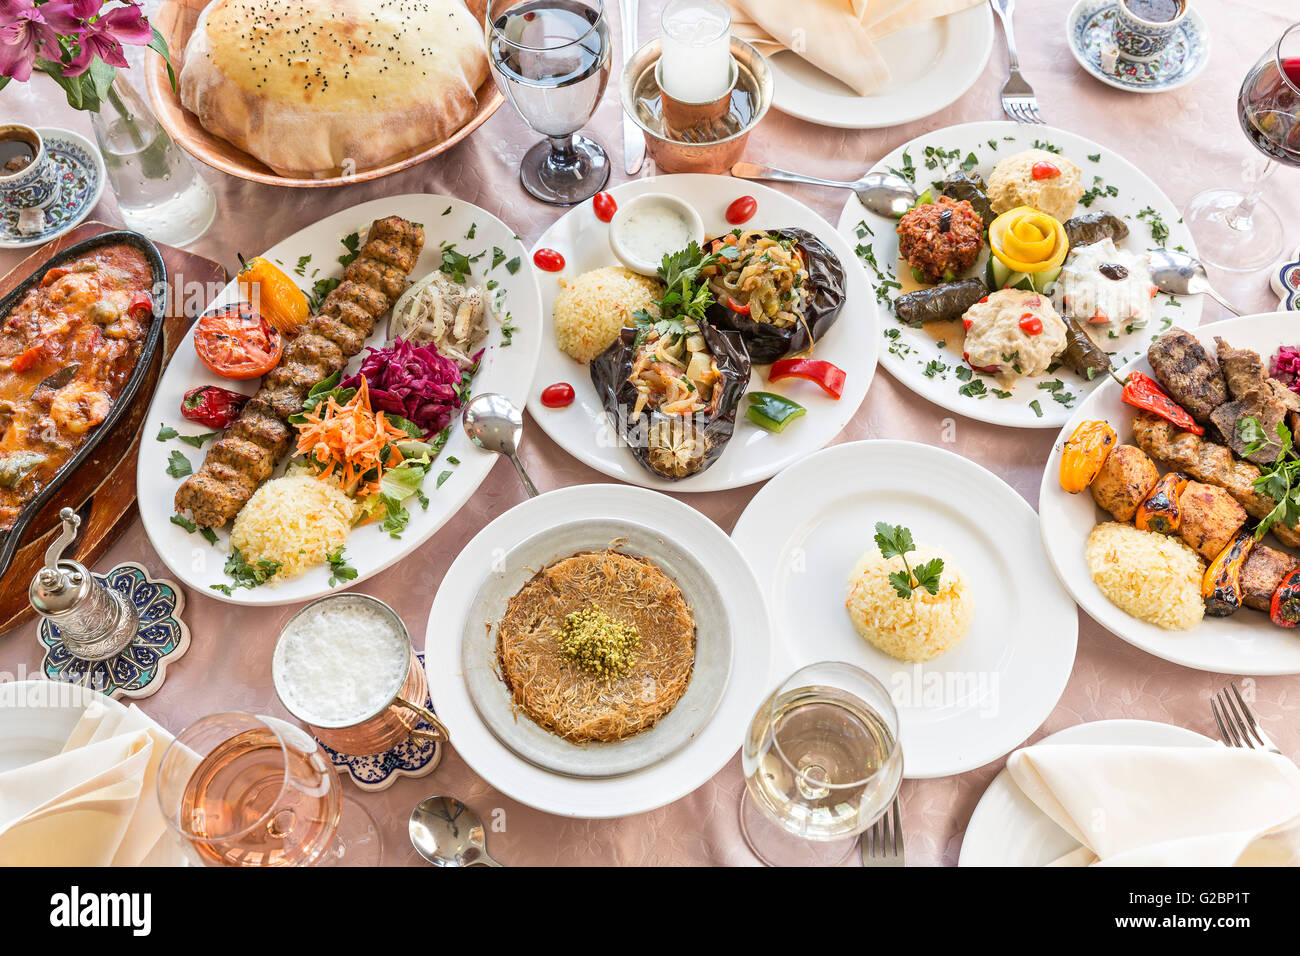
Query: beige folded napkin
(839, 37)
(93, 804)
(1166, 806)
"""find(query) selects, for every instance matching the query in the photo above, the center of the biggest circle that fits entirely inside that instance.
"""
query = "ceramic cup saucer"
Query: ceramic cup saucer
(410, 758)
(138, 669)
(1090, 31)
(83, 175)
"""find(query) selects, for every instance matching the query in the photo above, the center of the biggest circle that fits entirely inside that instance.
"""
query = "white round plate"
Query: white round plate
(1245, 643)
(753, 454)
(930, 65)
(805, 530)
(36, 717)
(369, 549)
(1006, 828)
(686, 768)
(908, 352)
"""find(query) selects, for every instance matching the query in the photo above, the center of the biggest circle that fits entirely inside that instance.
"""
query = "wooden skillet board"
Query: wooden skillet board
(103, 489)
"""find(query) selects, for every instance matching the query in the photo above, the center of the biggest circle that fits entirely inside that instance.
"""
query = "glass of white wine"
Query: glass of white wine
(250, 790)
(822, 762)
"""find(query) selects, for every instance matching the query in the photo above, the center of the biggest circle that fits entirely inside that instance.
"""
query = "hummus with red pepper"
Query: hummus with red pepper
(1011, 333)
(1037, 178)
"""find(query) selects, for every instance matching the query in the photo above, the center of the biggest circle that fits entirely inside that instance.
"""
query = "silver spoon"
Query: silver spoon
(885, 194)
(1177, 273)
(447, 833)
(494, 424)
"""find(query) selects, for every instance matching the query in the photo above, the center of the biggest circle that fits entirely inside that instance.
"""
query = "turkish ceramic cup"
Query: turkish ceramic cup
(35, 185)
(1143, 39)
(383, 728)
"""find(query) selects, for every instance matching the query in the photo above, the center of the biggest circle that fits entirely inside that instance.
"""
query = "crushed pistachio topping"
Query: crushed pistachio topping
(599, 643)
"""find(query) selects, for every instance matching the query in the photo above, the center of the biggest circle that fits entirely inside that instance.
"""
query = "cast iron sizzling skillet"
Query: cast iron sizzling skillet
(10, 539)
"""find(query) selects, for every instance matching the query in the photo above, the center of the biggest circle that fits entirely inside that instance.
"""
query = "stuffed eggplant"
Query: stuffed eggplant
(946, 302)
(673, 395)
(780, 289)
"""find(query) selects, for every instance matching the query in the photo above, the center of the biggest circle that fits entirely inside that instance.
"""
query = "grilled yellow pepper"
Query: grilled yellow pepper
(1161, 511)
(1084, 454)
(264, 285)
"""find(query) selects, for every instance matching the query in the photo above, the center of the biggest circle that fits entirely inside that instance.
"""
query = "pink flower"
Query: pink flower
(24, 35)
(70, 17)
(104, 36)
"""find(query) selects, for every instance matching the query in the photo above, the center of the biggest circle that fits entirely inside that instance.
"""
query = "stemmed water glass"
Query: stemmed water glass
(1233, 229)
(822, 762)
(250, 790)
(551, 60)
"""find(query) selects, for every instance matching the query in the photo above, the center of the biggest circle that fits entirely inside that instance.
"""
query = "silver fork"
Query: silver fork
(1237, 725)
(1018, 100)
(882, 845)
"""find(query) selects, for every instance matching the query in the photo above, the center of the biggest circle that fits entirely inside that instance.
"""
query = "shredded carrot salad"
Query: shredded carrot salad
(349, 442)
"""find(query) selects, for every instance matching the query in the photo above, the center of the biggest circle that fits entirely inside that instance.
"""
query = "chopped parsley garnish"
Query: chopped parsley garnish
(1095, 157)
(1038, 409)
(513, 265)
(352, 243)
(178, 466)
(340, 570)
(1159, 231)
(1049, 147)
(908, 171)
(246, 575)
(973, 389)
(895, 541)
(301, 267)
(167, 432)
(196, 441)
(185, 523)
(498, 257)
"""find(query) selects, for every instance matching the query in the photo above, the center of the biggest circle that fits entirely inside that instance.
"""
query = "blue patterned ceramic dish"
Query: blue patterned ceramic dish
(1090, 29)
(138, 670)
(1285, 279)
(410, 758)
(82, 177)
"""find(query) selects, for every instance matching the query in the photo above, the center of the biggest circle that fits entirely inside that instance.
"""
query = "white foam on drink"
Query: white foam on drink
(339, 662)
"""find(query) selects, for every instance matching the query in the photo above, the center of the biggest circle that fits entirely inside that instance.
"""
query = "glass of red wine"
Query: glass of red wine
(1233, 229)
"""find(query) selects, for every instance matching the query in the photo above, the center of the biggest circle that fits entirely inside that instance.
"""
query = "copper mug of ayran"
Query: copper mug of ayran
(391, 724)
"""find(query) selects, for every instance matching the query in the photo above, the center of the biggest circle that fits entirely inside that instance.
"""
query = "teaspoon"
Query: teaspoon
(494, 423)
(447, 833)
(885, 194)
(1177, 273)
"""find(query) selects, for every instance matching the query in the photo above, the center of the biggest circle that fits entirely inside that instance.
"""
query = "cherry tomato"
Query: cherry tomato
(742, 210)
(548, 260)
(559, 395)
(1045, 170)
(605, 206)
(236, 342)
(1031, 324)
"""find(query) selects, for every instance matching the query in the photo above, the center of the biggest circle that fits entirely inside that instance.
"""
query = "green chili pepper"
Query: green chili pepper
(771, 411)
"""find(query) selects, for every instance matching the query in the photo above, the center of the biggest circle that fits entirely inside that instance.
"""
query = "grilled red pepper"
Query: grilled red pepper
(736, 307)
(830, 377)
(212, 405)
(1142, 391)
(1284, 610)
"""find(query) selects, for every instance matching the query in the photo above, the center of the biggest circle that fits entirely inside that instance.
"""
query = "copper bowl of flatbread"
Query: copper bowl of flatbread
(321, 94)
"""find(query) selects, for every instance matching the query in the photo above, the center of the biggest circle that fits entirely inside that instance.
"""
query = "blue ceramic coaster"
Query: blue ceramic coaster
(82, 175)
(138, 670)
(1090, 31)
(1285, 279)
(410, 758)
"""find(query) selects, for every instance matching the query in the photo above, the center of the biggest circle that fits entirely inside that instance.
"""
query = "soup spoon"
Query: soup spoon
(494, 424)
(1177, 273)
(885, 194)
(447, 833)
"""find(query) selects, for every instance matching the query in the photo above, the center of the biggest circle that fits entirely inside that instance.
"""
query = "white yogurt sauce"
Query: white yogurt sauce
(1092, 296)
(654, 229)
(339, 662)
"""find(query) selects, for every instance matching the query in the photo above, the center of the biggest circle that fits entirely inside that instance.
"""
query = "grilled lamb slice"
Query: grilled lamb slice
(1210, 518)
(1189, 373)
(1260, 405)
(1243, 370)
(1263, 571)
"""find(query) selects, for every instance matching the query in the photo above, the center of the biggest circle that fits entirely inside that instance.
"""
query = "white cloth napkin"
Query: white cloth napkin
(93, 804)
(839, 37)
(1166, 806)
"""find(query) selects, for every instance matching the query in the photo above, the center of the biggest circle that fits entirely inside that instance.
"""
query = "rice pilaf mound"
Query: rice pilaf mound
(564, 698)
(1153, 577)
(296, 520)
(592, 309)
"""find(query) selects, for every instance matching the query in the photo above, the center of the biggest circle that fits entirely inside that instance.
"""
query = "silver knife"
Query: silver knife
(633, 140)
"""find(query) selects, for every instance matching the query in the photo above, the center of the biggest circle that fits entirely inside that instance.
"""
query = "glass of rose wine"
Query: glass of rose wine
(250, 790)
(1234, 229)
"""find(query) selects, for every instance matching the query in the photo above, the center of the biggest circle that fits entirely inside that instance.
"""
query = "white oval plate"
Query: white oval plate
(805, 530)
(1245, 643)
(930, 64)
(1006, 828)
(753, 454)
(686, 768)
(906, 352)
(369, 549)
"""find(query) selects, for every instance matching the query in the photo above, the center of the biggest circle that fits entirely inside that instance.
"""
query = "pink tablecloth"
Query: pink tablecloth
(1187, 140)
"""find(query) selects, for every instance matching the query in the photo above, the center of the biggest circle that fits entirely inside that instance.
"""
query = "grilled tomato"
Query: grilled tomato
(235, 341)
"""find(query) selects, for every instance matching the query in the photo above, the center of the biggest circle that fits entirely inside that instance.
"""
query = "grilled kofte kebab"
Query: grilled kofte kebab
(246, 455)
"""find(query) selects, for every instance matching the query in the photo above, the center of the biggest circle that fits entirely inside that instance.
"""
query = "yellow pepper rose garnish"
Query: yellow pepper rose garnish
(1026, 240)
